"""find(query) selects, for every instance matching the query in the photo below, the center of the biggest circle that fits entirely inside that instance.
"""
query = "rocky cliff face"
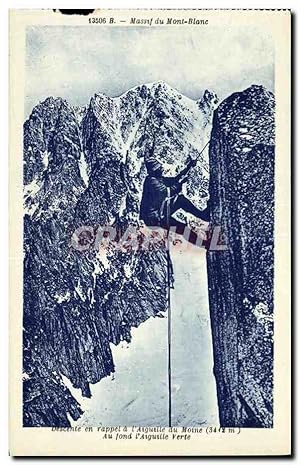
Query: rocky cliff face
(241, 278)
(85, 167)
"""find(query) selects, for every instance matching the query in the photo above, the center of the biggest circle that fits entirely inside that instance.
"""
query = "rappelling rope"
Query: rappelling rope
(169, 315)
(167, 204)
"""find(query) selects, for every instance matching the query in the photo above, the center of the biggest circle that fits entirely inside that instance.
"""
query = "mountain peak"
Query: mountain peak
(160, 83)
(208, 102)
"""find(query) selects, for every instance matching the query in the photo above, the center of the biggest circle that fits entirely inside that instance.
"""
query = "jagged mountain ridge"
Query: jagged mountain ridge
(85, 166)
(159, 115)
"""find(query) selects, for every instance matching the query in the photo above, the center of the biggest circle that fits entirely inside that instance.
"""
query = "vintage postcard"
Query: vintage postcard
(150, 232)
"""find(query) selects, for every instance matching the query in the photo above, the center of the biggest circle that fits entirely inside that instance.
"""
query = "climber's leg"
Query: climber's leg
(186, 205)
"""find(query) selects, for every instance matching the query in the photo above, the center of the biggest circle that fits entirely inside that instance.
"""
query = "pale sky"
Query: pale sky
(76, 62)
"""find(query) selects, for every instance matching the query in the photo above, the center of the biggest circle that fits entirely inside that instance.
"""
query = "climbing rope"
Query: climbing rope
(169, 315)
(169, 264)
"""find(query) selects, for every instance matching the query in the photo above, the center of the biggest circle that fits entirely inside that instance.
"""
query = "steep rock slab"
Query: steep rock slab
(241, 277)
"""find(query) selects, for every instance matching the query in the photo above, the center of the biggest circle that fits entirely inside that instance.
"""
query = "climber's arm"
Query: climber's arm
(175, 189)
(181, 177)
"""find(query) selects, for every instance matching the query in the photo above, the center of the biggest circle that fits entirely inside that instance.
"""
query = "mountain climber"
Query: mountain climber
(162, 197)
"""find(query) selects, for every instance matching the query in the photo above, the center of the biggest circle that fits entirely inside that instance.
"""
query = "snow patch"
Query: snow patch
(262, 316)
(62, 298)
(45, 159)
(91, 297)
(83, 168)
(79, 291)
(246, 136)
(127, 271)
(260, 311)
(76, 393)
(122, 206)
(97, 270)
(102, 257)
(32, 188)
